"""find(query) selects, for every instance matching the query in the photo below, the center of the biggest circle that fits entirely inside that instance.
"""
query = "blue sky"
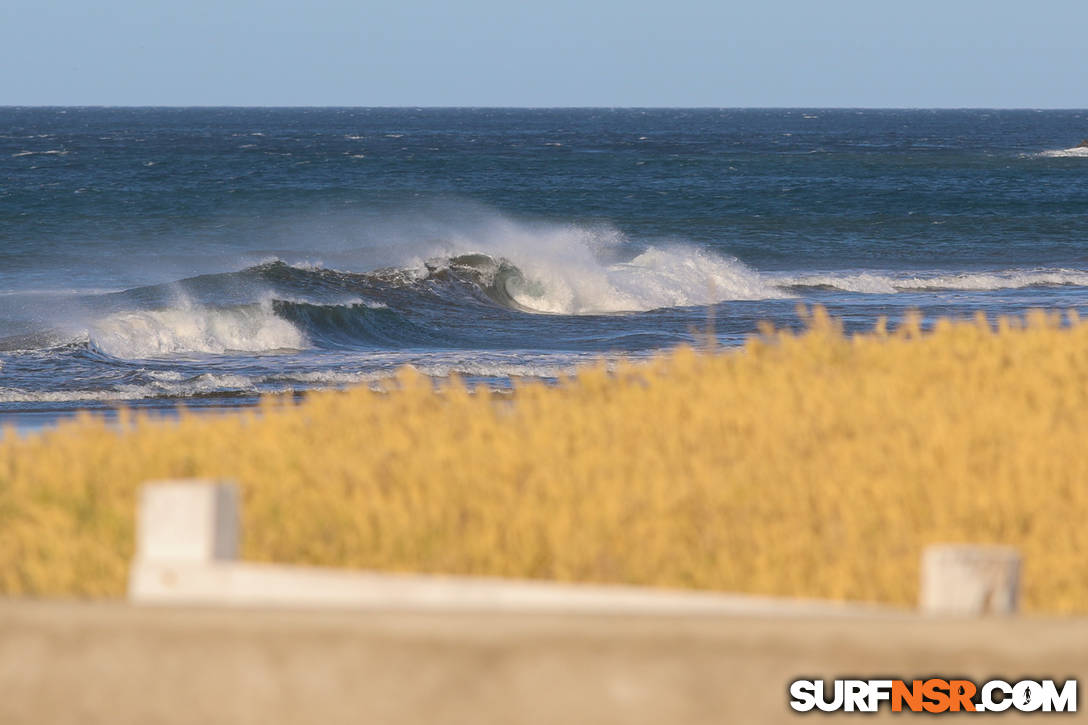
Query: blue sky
(953, 53)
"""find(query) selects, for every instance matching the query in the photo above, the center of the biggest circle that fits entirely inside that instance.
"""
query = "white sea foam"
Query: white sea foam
(360, 302)
(180, 388)
(1075, 152)
(329, 377)
(863, 282)
(171, 376)
(18, 395)
(484, 369)
(515, 364)
(174, 385)
(566, 270)
(52, 152)
(378, 367)
(194, 329)
(872, 283)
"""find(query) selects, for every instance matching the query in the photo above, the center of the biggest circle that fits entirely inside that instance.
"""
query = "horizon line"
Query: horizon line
(538, 108)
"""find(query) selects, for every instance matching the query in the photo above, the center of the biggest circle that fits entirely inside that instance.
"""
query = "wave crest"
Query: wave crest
(194, 329)
(658, 278)
(582, 269)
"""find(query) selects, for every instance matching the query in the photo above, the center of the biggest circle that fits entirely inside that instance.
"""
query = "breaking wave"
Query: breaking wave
(487, 288)
(304, 306)
(655, 279)
(439, 302)
(874, 283)
(1080, 152)
(580, 270)
(194, 329)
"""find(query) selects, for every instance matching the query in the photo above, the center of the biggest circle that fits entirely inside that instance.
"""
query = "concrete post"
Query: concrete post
(970, 580)
(186, 555)
(188, 521)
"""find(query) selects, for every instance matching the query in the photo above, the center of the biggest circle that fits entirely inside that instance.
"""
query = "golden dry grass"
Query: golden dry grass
(813, 464)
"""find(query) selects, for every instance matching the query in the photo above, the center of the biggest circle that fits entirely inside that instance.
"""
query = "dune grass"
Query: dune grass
(811, 464)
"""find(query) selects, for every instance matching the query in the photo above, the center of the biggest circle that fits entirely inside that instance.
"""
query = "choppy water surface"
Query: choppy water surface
(149, 256)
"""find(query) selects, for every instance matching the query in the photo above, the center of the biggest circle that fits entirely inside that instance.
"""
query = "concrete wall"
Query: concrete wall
(113, 663)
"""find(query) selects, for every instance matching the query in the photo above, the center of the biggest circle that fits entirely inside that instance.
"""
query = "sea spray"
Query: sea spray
(194, 329)
(588, 269)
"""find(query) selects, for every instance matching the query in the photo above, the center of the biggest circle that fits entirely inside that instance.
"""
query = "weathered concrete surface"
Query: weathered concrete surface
(112, 663)
(256, 585)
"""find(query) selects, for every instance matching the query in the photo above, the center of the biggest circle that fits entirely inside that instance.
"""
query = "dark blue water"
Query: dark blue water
(149, 256)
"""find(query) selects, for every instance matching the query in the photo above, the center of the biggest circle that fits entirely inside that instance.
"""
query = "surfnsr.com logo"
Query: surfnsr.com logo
(933, 695)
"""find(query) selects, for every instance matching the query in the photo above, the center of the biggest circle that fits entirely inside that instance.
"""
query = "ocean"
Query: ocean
(206, 256)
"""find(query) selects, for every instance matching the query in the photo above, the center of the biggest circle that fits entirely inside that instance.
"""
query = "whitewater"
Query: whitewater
(210, 256)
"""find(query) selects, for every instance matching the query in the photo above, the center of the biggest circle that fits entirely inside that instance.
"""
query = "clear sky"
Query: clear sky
(874, 53)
